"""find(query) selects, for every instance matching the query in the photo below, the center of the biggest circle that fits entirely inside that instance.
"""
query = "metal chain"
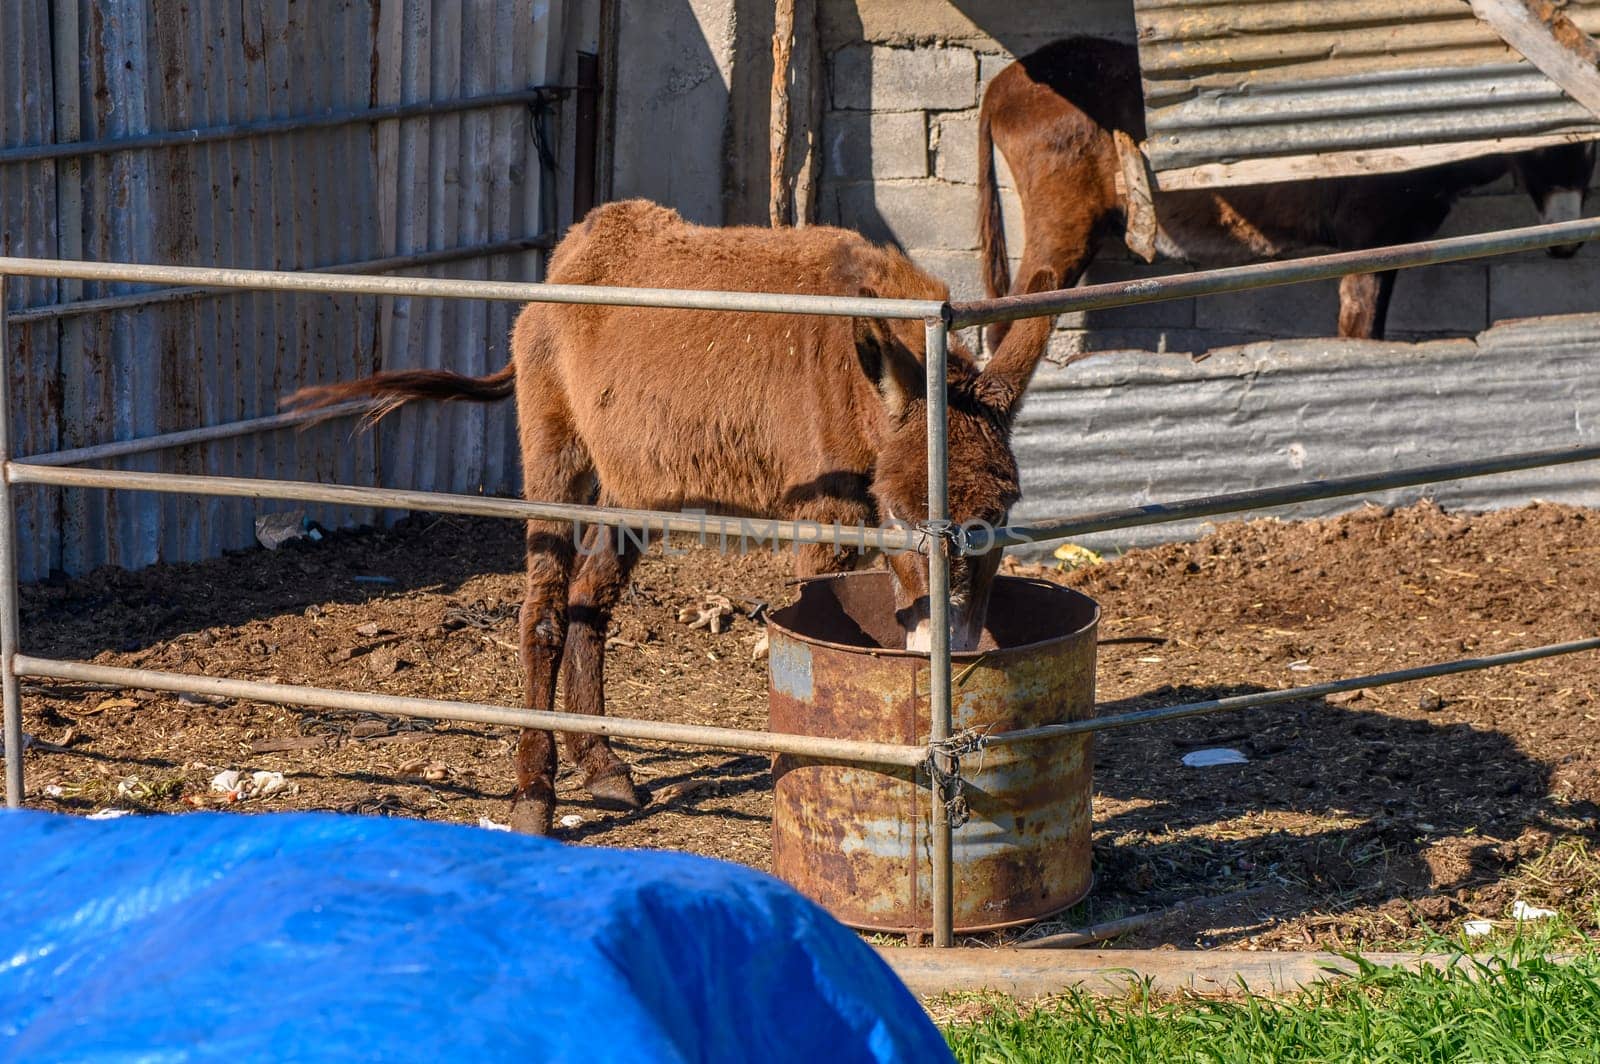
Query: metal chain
(950, 783)
(929, 531)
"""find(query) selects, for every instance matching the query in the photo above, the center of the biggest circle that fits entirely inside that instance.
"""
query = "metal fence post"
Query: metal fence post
(938, 338)
(10, 687)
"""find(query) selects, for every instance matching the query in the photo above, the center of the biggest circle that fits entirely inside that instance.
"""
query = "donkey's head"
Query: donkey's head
(1556, 179)
(983, 472)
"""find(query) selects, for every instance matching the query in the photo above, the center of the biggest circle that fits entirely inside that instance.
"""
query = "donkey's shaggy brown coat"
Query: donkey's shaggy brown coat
(797, 417)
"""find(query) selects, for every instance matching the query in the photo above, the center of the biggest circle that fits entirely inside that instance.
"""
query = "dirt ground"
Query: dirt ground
(1356, 823)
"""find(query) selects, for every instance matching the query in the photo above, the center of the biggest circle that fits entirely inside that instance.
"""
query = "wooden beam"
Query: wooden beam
(1028, 974)
(1349, 163)
(1549, 40)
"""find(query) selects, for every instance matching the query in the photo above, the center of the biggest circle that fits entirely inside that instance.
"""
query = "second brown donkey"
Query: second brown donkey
(795, 417)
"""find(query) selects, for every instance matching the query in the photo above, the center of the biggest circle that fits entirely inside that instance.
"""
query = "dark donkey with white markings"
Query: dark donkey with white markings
(1054, 114)
(805, 418)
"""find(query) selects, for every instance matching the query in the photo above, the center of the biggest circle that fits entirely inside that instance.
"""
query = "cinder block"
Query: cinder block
(1483, 214)
(1068, 344)
(1440, 300)
(990, 64)
(955, 148)
(859, 145)
(1171, 314)
(912, 214)
(958, 269)
(1532, 288)
(956, 151)
(1016, 23)
(1012, 218)
(1296, 310)
(872, 78)
(1498, 187)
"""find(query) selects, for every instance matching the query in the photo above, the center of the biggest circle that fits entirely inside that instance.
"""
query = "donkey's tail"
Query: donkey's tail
(394, 389)
(991, 226)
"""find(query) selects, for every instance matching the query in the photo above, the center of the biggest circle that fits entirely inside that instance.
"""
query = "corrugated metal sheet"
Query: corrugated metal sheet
(292, 200)
(1246, 80)
(28, 226)
(1121, 430)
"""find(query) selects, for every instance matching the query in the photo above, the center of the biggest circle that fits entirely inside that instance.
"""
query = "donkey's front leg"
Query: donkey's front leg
(543, 633)
(601, 578)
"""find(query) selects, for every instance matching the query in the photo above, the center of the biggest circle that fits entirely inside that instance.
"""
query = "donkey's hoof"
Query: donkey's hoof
(615, 791)
(532, 816)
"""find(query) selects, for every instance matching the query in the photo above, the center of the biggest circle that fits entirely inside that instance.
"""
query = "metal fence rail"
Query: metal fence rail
(936, 536)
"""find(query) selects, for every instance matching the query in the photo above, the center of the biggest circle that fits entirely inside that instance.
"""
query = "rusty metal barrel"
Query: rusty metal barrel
(857, 840)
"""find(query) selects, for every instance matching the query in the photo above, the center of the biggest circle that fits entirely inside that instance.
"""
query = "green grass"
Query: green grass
(1517, 1006)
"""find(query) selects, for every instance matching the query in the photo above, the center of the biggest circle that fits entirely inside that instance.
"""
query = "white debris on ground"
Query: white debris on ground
(109, 814)
(1521, 910)
(572, 820)
(236, 786)
(715, 613)
(492, 825)
(1221, 755)
(432, 771)
(1477, 928)
(759, 650)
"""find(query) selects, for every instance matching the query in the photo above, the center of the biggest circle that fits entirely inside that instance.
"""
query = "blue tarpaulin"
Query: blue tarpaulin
(321, 937)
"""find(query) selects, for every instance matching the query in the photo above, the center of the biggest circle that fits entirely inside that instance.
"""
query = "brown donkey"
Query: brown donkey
(796, 417)
(1053, 115)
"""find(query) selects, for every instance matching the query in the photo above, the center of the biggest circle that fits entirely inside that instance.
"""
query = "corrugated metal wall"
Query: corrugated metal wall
(1126, 430)
(1276, 79)
(74, 70)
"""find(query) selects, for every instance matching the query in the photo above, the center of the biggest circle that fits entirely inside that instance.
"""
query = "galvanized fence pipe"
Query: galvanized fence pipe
(507, 291)
(1270, 274)
(741, 529)
(414, 260)
(10, 688)
(943, 863)
(1290, 694)
(178, 138)
(844, 751)
(1156, 513)
(101, 452)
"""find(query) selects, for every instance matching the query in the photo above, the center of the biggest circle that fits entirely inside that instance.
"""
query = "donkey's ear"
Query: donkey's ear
(887, 362)
(1010, 369)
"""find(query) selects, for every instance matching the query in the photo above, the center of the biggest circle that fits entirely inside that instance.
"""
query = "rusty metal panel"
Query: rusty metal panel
(1250, 90)
(290, 200)
(856, 840)
(28, 226)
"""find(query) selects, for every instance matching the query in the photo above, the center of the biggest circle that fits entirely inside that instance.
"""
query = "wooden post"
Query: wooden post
(808, 88)
(781, 200)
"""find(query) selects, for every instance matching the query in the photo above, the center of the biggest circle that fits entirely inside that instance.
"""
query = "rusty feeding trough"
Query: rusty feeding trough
(856, 839)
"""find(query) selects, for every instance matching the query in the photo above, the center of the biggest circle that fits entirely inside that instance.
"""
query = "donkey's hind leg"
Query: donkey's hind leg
(602, 576)
(543, 634)
(556, 468)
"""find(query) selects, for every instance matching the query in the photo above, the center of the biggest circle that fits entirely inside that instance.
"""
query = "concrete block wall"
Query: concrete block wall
(904, 80)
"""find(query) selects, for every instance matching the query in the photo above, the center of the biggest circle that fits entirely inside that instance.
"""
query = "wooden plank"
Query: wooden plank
(1027, 974)
(806, 136)
(1138, 207)
(1550, 41)
(780, 202)
(1349, 163)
